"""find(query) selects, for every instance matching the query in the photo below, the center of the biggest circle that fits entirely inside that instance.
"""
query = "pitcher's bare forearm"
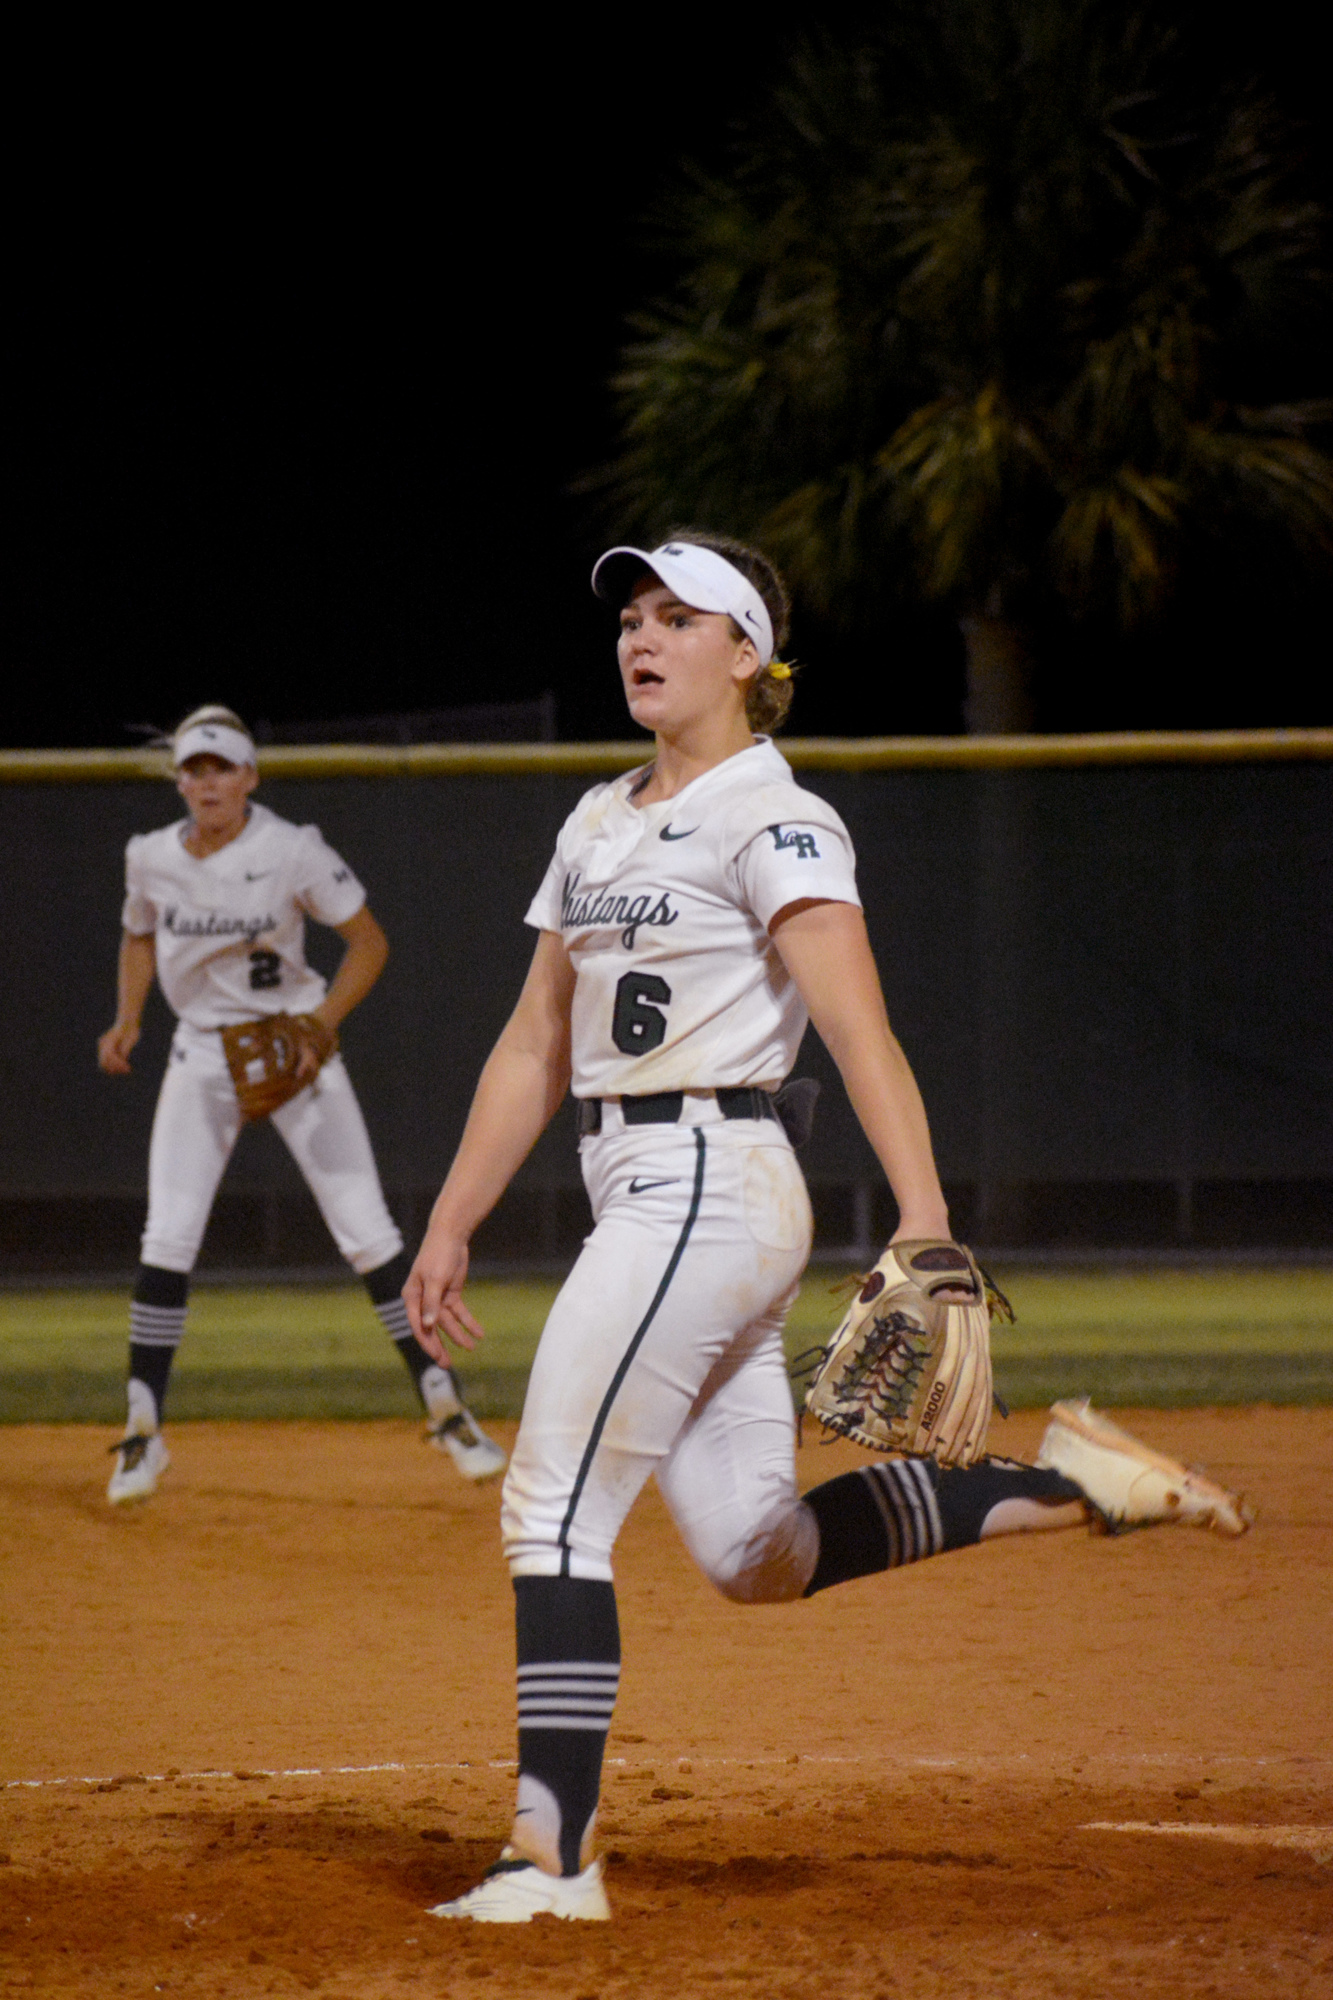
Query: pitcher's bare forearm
(825, 949)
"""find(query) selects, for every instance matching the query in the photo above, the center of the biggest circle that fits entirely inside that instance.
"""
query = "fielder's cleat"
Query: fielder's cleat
(140, 1462)
(454, 1429)
(516, 1891)
(476, 1456)
(1127, 1483)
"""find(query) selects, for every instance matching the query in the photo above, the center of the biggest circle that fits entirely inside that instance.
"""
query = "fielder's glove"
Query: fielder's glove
(907, 1370)
(263, 1056)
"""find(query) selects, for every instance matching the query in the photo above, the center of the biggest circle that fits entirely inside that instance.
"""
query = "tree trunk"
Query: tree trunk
(999, 673)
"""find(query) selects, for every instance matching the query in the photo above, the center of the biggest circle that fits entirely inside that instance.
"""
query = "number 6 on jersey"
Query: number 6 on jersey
(637, 1025)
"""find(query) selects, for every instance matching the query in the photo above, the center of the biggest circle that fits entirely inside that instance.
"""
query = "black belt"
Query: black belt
(665, 1106)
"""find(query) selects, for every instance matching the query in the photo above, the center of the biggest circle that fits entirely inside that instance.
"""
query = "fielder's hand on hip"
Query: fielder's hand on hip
(317, 1044)
(433, 1296)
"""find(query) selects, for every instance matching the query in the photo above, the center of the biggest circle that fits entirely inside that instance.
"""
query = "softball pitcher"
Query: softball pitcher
(695, 915)
(215, 909)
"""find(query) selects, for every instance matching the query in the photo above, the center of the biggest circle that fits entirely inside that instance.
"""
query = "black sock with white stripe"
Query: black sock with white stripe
(158, 1306)
(904, 1509)
(385, 1285)
(877, 1518)
(568, 1677)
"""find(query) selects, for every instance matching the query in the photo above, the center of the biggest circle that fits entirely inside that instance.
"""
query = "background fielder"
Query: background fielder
(215, 908)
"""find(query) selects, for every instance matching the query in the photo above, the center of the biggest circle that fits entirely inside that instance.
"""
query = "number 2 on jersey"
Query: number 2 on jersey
(265, 971)
(637, 1025)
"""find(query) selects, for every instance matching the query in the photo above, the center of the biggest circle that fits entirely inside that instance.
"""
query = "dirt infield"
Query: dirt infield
(253, 1728)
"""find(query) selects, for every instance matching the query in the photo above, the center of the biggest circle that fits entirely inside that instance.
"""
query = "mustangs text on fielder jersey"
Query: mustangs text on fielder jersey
(665, 911)
(229, 928)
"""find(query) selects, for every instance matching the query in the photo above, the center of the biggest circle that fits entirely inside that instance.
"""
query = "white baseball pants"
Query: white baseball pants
(196, 1126)
(663, 1354)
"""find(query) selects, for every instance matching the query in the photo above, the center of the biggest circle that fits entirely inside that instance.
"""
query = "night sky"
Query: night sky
(310, 338)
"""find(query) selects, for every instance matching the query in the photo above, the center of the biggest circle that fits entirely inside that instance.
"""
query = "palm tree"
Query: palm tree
(992, 308)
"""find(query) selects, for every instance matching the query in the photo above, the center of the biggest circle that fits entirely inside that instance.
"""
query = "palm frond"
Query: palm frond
(1118, 534)
(991, 286)
(952, 466)
(824, 534)
(1288, 419)
(1281, 480)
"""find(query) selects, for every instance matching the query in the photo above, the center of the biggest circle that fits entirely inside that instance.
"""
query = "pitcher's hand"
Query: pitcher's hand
(433, 1296)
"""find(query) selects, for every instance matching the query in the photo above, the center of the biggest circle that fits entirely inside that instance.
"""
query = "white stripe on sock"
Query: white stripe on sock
(394, 1320)
(934, 1532)
(567, 1694)
(907, 1504)
(599, 1670)
(156, 1326)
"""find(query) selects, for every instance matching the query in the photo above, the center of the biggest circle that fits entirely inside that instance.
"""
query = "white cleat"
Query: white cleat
(140, 1462)
(515, 1891)
(454, 1429)
(476, 1456)
(1128, 1483)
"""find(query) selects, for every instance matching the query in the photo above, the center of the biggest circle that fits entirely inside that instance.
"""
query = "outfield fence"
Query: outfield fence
(1109, 958)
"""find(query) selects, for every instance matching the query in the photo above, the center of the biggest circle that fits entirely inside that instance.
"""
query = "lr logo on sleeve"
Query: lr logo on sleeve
(804, 843)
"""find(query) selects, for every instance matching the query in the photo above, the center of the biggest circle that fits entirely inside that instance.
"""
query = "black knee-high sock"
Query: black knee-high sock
(157, 1320)
(902, 1510)
(385, 1285)
(568, 1677)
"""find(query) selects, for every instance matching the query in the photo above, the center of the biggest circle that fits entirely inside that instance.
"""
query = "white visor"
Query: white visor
(214, 739)
(699, 577)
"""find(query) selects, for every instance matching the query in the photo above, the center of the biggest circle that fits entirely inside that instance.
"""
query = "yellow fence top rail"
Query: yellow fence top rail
(808, 753)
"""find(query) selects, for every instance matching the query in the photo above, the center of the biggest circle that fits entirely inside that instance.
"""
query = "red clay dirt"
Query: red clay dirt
(254, 1727)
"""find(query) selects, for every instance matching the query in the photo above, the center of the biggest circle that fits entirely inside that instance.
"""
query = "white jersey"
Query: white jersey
(665, 911)
(230, 928)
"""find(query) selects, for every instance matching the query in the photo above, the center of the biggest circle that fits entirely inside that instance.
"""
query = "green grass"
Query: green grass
(1165, 1337)
(1172, 1338)
(251, 1351)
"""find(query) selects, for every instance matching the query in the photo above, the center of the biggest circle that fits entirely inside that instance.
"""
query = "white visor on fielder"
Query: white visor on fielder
(214, 739)
(699, 577)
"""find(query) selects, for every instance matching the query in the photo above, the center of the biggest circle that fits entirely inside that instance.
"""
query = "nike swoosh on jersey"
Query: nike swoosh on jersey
(259, 877)
(637, 1186)
(667, 834)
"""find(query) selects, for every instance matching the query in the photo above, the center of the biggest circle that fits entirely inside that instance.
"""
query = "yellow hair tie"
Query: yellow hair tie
(779, 670)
